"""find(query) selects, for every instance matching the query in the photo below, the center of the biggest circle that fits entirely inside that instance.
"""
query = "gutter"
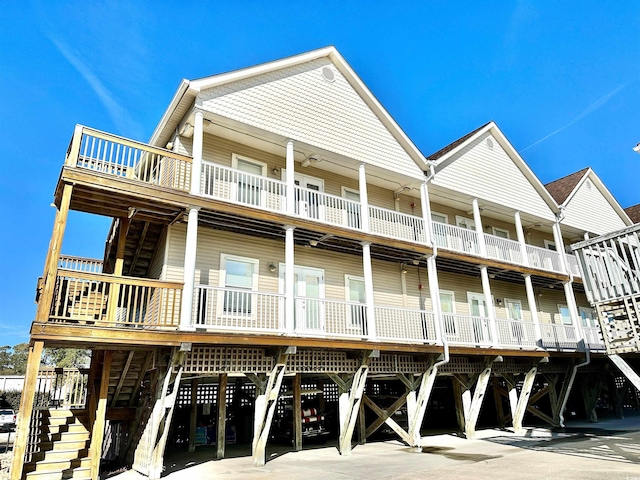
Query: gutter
(571, 380)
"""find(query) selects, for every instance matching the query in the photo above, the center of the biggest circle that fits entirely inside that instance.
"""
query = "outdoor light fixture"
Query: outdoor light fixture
(307, 161)
(272, 267)
(313, 243)
(402, 269)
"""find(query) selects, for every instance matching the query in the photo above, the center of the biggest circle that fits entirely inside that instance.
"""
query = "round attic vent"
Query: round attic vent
(588, 184)
(490, 143)
(328, 74)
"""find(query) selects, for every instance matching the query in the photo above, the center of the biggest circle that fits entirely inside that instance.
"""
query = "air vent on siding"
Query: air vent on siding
(328, 74)
(490, 143)
(588, 184)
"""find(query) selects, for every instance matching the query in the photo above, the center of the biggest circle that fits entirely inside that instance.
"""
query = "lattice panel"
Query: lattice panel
(397, 364)
(227, 360)
(319, 361)
(460, 365)
(620, 325)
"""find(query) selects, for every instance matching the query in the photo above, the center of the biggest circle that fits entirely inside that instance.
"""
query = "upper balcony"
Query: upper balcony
(109, 156)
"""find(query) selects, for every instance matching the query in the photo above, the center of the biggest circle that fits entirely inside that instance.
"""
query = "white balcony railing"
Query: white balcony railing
(327, 208)
(330, 318)
(220, 308)
(593, 338)
(455, 238)
(516, 333)
(393, 323)
(236, 186)
(572, 264)
(396, 225)
(503, 249)
(559, 337)
(467, 329)
(544, 259)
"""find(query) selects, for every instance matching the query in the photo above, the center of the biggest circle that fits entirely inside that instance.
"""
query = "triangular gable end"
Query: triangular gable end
(486, 166)
(591, 207)
(316, 99)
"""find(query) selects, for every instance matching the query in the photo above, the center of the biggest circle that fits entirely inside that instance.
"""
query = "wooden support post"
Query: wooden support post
(385, 416)
(221, 426)
(616, 396)
(26, 407)
(361, 426)
(297, 409)
(53, 256)
(417, 407)
(193, 414)
(114, 292)
(349, 404)
(552, 381)
(460, 389)
(93, 383)
(592, 385)
(265, 408)
(123, 377)
(468, 407)
(521, 406)
(497, 398)
(97, 429)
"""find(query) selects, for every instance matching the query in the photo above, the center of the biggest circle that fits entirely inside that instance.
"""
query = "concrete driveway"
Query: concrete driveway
(607, 450)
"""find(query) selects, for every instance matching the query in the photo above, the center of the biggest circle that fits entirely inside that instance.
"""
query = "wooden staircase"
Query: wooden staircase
(63, 440)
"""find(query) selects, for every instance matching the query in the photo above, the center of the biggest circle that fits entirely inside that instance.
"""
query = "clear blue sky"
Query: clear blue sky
(561, 79)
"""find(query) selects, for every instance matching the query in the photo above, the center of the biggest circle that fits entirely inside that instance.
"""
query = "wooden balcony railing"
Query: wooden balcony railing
(113, 155)
(90, 265)
(108, 301)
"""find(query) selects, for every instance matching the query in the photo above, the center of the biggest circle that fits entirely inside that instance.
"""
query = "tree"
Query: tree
(19, 358)
(66, 357)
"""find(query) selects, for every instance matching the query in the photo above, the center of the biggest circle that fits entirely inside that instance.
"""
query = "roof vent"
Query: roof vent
(490, 143)
(588, 183)
(328, 74)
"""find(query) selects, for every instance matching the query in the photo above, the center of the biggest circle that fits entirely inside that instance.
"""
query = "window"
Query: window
(563, 310)
(448, 306)
(588, 316)
(439, 229)
(240, 276)
(514, 312)
(355, 292)
(549, 245)
(309, 201)
(500, 232)
(439, 217)
(249, 182)
(352, 211)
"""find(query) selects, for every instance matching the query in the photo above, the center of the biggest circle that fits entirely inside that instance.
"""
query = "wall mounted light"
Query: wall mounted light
(415, 262)
(275, 170)
(313, 243)
(403, 270)
(499, 302)
(272, 267)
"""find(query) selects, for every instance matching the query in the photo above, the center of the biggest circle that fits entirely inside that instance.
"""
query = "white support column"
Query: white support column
(364, 198)
(425, 206)
(368, 290)
(196, 165)
(533, 307)
(434, 293)
(477, 219)
(488, 300)
(557, 238)
(521, 240)
(290, 180)
(189, 271)
(289, 279)
(517, 414)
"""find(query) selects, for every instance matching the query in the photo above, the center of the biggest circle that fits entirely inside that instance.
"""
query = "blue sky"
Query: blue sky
(561, 79)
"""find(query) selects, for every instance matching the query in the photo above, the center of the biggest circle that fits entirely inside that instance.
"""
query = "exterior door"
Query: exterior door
(469, 242)
(308, 197)
(514, 313)
(309, 292)
(479, 317)
(352, 211)
(357, 313)
(249, 187)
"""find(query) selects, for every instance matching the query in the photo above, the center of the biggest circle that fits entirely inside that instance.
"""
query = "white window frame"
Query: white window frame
(446, 217)
(494, 230)
(460, 217)
(224, 257)
(549, 243)
(517, 330)
(562, 322)
(350, 321)
(346, 215)
(452, 331)
(234, 186)
(303, 177)
(593, 319)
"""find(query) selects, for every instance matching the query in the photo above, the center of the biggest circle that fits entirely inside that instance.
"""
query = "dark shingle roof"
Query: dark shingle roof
(634, 213)
(451, 146)
(560, 189)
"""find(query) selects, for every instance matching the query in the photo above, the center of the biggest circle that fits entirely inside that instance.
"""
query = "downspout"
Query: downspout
(574, 371)
(435, 300)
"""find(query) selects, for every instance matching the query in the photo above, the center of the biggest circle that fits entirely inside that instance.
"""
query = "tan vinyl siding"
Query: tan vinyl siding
(589, 210)
(537, 238)
(491, 175)
(298, 103)
(156, 268)
(211, 243)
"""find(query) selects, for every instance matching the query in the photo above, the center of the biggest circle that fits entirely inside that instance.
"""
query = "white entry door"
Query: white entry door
(308, 291)
(469, 242)
(308, 198)
(479, 317)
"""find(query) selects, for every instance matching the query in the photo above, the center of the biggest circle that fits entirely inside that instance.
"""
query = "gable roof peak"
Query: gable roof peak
(561, 188)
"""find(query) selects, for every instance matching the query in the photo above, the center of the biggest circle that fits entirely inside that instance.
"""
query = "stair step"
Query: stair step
(58, 445)
(70, 454)
(64, 412)
(79, 473)
(57, 465)
(70, 428)
(64, 436)
(62, 421)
